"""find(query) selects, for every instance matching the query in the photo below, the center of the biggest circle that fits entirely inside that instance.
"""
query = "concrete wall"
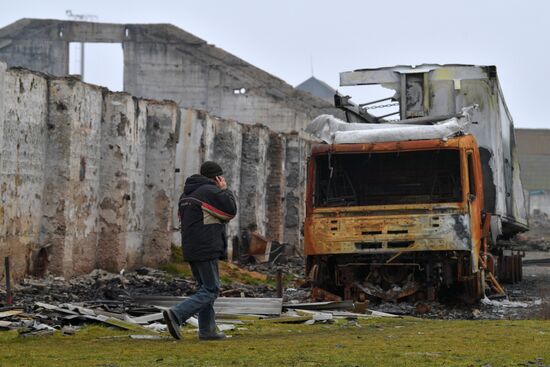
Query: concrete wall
(539, 203)
(86, 176)
(264, 169)
(91, 178)
(164, 62)
(534, 156)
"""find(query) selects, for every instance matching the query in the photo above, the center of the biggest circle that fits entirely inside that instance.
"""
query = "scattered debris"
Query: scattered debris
(504, 303)
(129, 301)
(224, 305)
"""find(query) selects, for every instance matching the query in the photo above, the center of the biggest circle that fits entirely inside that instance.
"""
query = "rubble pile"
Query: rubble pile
(134, 302)
(100, 285)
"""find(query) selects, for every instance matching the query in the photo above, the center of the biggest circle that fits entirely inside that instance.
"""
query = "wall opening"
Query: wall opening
(98, 63)
(40, 263)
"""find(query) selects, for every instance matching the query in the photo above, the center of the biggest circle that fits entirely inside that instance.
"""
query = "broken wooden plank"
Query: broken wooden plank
(43, 332)
(10, 313)
(47, 306)
(145, 319)
(382, 314)
(331, 305)
(5, 324)
(148, 337)
(119, 316)
(287, 319)
(225, 305)
(81, 310)
(316, 316)
(118, 323)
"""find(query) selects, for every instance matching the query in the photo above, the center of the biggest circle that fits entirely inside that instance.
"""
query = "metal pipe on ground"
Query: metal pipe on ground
(9, 296)
(279, 283)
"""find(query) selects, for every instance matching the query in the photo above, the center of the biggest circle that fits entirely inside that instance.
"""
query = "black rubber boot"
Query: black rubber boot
(172, 322)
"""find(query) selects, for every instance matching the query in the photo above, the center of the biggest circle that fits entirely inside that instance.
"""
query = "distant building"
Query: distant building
(534, 153)
(318, 88)
(533, 147)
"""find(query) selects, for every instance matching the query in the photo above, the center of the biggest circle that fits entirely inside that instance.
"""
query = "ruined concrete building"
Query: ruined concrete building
(89, 178)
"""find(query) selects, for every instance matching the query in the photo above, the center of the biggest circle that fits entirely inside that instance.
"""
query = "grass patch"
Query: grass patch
(229, 273)
(377, 342)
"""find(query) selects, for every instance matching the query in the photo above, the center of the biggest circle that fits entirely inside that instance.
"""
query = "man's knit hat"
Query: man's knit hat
(211, 169)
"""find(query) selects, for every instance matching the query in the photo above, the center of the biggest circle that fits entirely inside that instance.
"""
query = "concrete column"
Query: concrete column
(3, 153)
(275, 186)
(2, 101)
(252, 190)
(23, 111)
(162, 124)
(294, 189)
(226, 151)
(188, 157)
(121, 182)
(72, 176)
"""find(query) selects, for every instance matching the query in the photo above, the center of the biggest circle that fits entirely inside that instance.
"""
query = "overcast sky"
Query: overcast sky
(283, 36)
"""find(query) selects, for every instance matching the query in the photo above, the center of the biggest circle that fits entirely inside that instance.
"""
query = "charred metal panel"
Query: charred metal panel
(336, 234)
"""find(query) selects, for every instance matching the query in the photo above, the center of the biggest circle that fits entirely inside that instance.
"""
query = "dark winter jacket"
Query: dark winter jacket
(204, 209)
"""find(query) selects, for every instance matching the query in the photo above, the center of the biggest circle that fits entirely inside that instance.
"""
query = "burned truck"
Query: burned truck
(421, 206)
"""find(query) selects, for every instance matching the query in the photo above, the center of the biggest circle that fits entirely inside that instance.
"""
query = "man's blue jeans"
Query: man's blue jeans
(208, 279)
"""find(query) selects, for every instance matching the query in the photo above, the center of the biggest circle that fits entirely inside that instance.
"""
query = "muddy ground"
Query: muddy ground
(526, 300)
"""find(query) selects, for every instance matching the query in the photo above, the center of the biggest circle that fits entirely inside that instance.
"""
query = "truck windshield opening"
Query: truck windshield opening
(360, 179)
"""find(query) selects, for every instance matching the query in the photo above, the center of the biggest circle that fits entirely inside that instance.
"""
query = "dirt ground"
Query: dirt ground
(529, 299)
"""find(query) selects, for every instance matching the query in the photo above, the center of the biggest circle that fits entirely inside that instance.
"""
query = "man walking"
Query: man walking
(204, 207)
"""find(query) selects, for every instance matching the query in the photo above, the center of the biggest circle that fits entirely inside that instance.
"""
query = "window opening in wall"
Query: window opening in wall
(239, 91)
(98, 63)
